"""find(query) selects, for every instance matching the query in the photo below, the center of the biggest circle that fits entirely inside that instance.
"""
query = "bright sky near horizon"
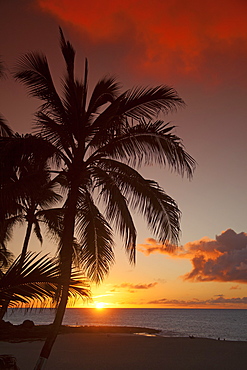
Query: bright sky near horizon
(199, 48)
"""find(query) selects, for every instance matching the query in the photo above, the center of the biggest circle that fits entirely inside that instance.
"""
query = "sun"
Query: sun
(99, 305)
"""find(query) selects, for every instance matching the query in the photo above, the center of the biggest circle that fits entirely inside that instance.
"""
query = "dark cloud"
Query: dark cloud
(223, 259)
(215, 301)
(229, 265)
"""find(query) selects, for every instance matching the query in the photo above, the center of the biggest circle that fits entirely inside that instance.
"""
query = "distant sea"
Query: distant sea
(228, 324)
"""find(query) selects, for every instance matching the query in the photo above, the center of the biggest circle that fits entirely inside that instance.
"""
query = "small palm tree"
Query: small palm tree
(34, 207)
(102, 142)
(28, 193)
(27, 190)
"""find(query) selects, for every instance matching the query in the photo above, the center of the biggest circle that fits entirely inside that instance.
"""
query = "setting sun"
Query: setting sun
(99, 305)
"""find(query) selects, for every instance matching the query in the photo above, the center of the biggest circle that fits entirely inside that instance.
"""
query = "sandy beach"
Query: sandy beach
(108, 351)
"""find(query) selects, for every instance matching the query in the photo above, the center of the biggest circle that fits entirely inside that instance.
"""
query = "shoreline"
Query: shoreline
(27, 331)
(111, 350)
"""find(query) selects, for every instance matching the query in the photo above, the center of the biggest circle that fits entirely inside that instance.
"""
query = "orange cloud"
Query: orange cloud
(222, 259)
(182, 38)
(205, 246)
(152, 246)
(234, 287)
(133, 287)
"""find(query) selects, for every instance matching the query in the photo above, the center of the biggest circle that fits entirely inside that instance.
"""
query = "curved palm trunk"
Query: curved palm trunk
(66, 263)
(4, 307)
(26, 241)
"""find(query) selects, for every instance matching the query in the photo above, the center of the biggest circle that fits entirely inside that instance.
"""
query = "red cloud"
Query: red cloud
(222, 259)
(182, 38)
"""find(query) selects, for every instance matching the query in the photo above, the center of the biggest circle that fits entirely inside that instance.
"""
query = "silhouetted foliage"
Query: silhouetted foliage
(37, 281)
(101, 142)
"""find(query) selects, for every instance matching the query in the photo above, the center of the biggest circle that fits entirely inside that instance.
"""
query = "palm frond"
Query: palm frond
(5, 130)
(145, 196)
(37, 280)
(52, 219)
(33, 71)
(6, 258)
(106, 91)
(150, 143)
(95, 238)
(139, 103)
(17, 150)
(117, 211)
(6, 228)
(37, 231)
(57, 134)
(146, 101)
(68, 54)
(74, 91)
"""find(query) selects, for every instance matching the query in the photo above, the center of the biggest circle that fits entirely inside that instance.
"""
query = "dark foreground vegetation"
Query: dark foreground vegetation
(27, 331)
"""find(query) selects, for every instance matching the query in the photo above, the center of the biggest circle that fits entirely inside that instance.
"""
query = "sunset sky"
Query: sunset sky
(200, 49)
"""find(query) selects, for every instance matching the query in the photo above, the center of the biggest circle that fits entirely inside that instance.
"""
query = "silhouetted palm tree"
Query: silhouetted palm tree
(34, 206)
(28, 192)
(101, 143)
(23, 159)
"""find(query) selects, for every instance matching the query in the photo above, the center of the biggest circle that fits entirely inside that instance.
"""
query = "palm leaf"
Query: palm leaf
(150, 143)
(5, 130)
(146, 197)
(139, 103)
(106, 91)
(52, 219)
(146, 102)
(68, 54)
(37, 231)
(6, 227)
(95, 237)
(6, 258)
(33, 71)
(117, 211)
(55, 133)
(38, 279)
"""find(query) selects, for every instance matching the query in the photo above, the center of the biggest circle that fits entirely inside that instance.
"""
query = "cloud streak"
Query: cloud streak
(133, 287)
(183, 38)
(223, 259)
(215, 301)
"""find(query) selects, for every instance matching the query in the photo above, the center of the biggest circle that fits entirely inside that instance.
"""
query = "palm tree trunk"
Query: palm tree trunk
(66, 263)
(5, 305)
(26, 242)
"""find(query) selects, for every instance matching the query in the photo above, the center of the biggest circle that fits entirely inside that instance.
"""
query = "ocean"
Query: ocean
(228, 324)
